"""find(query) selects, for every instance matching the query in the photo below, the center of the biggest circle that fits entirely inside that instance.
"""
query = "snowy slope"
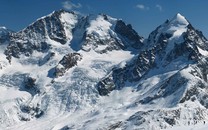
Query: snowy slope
(170, 73)
(31, 59)
(200, 126)
(67, 71)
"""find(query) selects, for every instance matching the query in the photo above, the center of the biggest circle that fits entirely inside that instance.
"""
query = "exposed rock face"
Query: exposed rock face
(104, 34)
(196, 37)
(5, 35)
(37, 36)
(128, 35)
(66, 63)
(29, 112)
(132, 72)
(29, 82)
(30, 85)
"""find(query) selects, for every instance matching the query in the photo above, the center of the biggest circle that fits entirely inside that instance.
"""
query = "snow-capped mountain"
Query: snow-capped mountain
(68, 71)
(52, 66)
(100, 33)
(169, 72)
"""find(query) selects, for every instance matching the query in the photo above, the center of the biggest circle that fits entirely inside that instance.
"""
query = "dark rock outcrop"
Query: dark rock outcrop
(132, 72)
(31, 111)
(5, 35)
(66, 63)
(29, 82)
(128, 35)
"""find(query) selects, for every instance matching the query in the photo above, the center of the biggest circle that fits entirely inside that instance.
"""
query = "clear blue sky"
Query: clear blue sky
(144, 15)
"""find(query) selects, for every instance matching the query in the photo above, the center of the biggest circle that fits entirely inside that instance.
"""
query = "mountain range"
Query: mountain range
(68, 71)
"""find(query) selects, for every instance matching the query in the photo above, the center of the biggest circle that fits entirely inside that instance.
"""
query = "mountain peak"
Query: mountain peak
(62, 11)
(56, 13)
(179, 19)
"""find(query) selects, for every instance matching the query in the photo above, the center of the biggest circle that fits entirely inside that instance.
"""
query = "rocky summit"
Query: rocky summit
(68, 71)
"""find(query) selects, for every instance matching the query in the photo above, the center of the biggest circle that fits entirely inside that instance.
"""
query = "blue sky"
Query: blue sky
(144, 15)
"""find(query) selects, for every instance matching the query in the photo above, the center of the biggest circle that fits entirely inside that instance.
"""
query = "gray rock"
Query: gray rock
(66, 63)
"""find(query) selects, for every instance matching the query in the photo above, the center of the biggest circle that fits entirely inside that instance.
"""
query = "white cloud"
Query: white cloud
(69, 5)
(142, 7)
(159, 7)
